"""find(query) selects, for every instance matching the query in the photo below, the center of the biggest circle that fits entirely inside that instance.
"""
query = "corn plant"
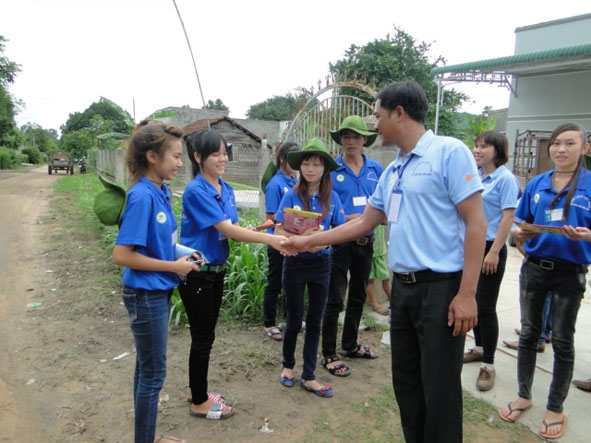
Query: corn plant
(246, 277)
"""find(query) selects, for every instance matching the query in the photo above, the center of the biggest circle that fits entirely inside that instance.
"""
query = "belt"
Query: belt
(362, 241)
(556, 265)
(425, 276)
(213, 268)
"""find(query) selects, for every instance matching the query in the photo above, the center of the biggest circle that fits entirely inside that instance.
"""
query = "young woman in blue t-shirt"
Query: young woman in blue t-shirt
(145, 245)
(556, 263)
(284, 179)
(310, 269)
(209, 219)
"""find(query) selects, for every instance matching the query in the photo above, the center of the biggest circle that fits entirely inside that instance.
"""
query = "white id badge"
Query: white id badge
(553, 215)
(360, 201)
(395, 202)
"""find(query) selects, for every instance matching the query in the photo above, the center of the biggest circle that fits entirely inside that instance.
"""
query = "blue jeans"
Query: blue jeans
(567, 288)
(426, 361)
(148, 318)
(547, 320)
(351, 266)
(298, 273)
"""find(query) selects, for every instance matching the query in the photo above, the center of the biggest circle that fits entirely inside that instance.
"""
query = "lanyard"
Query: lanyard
(400, 170)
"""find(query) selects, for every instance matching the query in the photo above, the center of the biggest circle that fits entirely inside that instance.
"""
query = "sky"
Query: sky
(134, 52)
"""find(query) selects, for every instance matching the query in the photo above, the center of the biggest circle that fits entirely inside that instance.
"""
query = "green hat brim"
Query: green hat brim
(294, 159)
(370, 136)
(110, 203)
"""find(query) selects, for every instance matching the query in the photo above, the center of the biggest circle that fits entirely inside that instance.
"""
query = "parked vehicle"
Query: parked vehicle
(82, 166)
(60, 162)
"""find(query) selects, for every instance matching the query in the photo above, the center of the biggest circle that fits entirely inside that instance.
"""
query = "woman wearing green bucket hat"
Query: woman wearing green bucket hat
(311, 268)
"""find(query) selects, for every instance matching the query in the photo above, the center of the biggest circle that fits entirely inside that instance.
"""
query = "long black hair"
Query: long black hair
(572, 184)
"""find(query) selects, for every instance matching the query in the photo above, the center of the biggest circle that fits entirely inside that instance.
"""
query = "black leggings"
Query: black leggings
(486, 332)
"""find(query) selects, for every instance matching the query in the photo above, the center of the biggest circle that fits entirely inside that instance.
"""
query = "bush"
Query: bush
(33, 154)
(7, 158)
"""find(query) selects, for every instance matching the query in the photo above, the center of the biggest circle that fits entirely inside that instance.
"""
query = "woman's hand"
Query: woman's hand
(577, 234)
(183, 266)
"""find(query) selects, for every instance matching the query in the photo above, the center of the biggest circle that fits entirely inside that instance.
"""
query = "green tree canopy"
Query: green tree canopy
(107, 110)
(398, 58)
(9, 134)
(218, 105)
(277, 108)
(45, 140)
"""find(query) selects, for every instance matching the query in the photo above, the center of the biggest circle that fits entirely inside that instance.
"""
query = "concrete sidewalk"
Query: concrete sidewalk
(578, 403)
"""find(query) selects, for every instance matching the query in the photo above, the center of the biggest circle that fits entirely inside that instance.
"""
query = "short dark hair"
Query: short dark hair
(409, 95)
(498, 141)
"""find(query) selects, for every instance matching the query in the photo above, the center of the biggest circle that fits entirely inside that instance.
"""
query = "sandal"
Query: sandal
(355, 353)
(213, 396)
(166, 438)
(216, 412)
(274, 333)
(335, 370)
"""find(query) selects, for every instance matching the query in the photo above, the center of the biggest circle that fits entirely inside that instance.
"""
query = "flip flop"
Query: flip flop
(165, 438)
(562, 423)
(275, 334)
(385, 312)
(511, 411)
(216, 412)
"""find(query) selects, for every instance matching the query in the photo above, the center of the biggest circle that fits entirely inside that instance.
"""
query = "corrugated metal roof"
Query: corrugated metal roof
(512, 63)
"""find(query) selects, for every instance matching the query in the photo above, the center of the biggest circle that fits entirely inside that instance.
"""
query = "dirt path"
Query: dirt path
(24, 198)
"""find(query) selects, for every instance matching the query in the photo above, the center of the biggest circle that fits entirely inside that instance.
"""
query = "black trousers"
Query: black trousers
(426, 361)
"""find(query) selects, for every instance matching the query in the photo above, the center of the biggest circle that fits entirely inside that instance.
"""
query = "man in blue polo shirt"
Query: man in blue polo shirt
(430, 196)
(354, 181)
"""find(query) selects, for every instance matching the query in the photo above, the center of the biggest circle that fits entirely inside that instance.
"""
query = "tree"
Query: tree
(398, 58)
(44, 140)
(8, 106)
(277, 108)
(218, 105)
(76, 143)
(108, 110)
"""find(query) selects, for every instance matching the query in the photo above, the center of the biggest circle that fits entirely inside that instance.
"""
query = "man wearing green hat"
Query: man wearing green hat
(354, 181)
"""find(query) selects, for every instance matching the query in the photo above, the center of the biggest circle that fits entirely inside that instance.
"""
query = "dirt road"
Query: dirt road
(23, 199)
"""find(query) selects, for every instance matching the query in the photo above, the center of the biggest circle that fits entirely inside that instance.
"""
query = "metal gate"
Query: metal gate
(324, 112)
(530, 156)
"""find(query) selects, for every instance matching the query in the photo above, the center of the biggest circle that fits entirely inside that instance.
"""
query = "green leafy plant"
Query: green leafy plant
(246, 277)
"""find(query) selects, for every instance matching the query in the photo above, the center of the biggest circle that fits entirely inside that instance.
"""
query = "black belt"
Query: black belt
(213, 268)
(362, 241)
(425, 276)
(549, 265)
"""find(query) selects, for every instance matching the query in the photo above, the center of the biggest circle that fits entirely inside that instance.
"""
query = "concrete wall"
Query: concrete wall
(544, 101)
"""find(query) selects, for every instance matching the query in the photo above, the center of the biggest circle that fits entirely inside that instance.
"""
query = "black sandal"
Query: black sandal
(355, 353)
(334, 369)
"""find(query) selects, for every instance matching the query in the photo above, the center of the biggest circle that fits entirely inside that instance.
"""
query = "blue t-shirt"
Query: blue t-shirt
(353, 189)
(427, 232)
(534, 207)
(274, 192)
(149, 224)
(334, 217)
(203, 208)
(500, 192)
